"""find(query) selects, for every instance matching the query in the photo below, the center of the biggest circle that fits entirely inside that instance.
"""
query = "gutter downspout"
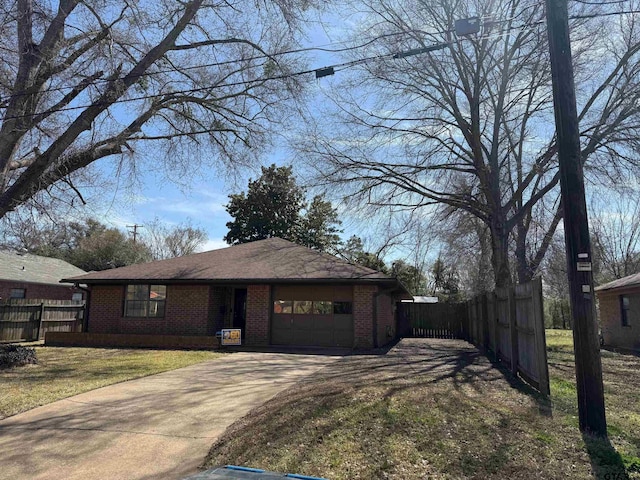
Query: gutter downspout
(375, 318)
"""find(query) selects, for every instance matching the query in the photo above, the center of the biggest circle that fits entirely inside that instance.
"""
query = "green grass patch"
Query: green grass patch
(545, 438)
(63, 372)
(621, 378)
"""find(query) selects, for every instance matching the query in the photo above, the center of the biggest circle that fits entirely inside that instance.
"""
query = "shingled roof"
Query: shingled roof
(629, 281)
(24, 267)
(263, 261)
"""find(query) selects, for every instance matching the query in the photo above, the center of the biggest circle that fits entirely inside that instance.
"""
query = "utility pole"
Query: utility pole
(135, 228)
(591, 410)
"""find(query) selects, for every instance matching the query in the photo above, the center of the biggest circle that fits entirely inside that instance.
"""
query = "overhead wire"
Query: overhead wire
(610, 2)
(320, 48)
(317, 48)
(336, 67)
(255, 57)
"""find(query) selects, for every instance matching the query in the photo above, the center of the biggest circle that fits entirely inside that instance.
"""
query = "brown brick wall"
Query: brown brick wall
(186, 312)
(258, 310)
(187, 309)
(105, 308)
(386, 319)
(195, 310)
(615, 335)
(38, 291)
(363, 315)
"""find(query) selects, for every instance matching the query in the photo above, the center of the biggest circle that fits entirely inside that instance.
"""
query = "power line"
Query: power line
(604, 14)
(265, 56)
(335, 67)
(258, 57)
(318, 48)
(611, 2)
(320, 72)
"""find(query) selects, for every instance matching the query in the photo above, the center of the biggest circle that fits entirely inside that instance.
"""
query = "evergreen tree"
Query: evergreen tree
(274, 206)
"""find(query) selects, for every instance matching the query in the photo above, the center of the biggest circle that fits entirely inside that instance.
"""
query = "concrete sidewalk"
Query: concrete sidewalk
(158, 427)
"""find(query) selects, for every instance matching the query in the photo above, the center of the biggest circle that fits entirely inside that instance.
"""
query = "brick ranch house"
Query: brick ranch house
(29, 276)
(619, 303)
(277, 292)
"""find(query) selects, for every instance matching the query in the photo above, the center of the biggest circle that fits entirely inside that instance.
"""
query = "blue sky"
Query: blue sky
(202, 200)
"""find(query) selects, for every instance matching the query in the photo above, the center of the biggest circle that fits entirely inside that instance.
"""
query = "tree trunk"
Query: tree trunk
(500, 255)
(522, 264)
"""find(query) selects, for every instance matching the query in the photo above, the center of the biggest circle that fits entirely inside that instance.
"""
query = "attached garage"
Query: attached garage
(312, 316)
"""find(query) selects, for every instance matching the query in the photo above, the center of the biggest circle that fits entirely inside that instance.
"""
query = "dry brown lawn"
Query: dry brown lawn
(427, 409)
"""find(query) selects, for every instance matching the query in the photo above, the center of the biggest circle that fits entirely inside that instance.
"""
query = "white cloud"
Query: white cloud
(213, 245)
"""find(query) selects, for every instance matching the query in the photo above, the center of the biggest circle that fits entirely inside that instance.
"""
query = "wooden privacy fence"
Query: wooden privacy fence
(510, 324)
(432, 320)
(28, 319)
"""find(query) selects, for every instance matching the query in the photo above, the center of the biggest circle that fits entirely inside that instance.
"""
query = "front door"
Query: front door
(240, 309)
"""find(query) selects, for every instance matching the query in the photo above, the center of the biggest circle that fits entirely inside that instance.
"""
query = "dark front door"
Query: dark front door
(240, 309)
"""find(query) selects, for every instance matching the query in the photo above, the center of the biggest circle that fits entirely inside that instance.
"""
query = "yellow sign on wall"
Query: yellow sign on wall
(231, 336)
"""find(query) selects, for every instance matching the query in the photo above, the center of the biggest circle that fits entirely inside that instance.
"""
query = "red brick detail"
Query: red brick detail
(363, 297)
(186, 312)
(40, 291)
(616, 335)
(258, 310)
(386, 319)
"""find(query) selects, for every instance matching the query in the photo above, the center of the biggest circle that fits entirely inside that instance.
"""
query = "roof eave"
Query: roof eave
(616, 288)
(60, 283)
(125, 281)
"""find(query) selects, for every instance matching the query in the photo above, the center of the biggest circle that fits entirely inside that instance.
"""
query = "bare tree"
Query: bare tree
(556, 284)
(82, 81)
(615, 226)
(470, 125)
(467, 245)
(166, 241)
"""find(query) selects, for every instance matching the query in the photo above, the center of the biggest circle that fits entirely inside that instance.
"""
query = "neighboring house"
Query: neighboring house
(620, 312)
(23, 275)
(277, 292)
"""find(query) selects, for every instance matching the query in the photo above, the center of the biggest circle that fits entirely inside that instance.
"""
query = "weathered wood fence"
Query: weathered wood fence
(28, 319)
(432, 320)
(509, 323)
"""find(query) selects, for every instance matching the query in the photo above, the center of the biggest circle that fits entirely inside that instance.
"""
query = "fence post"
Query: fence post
(513, 330)
(485, 321)
(496, 323)
(40, 323)
(540, 340)
(80, 315)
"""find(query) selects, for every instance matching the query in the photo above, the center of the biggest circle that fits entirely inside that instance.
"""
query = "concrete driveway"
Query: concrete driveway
(158, 427)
